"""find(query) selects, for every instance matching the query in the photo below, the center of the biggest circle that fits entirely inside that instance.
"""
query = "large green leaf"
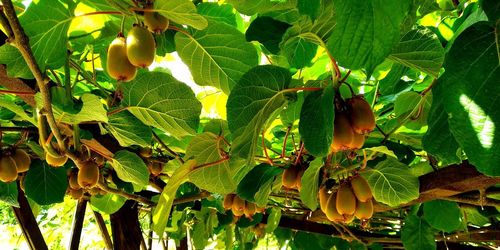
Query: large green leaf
(392, 183)
(365, 31)
(47, 32)
(443, 215)
(218, 178)
(108, 203)
(267, 31)
(128, 130)
(130, 168)
(256, 97)
(259, 177)
(417, 234)
(310, 180)
(159, 100)
(161, 212)
(44, 184)
(91, 109)
(217, 56)
(419, 49)
(316, 121)
(9, 193)
(250, 7)
(219, 12)
(469, 89)
(9, 104)
(181, 12)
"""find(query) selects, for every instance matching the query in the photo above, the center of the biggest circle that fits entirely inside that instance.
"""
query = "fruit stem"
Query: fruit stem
(345, 77)
(269, 161)
(173, 153)
(297, 160)
(283, 150)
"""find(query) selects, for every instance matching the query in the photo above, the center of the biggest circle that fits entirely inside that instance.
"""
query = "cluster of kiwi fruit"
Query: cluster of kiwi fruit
(352, 122)
(137, 49)
(154, 165)
(240, 207)
(292, 177)
(353, 198)
(13, 162)
(84, 177)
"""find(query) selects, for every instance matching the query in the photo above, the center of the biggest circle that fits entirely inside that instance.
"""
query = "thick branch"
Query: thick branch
(125, 194)
(21, 41)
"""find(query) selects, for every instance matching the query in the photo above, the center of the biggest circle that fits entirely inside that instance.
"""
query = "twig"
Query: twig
(345, 77)
(18, 129)
(125, 194)
(284, 141)
(22, 43)
(265, 149)
(299, 154)
(201, 195)
(177, 156)
(426, 90)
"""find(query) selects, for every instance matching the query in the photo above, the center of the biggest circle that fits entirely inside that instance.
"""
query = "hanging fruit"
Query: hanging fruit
(8, 169)
(364, 210)
(346, 201)
(117, 62)
(140, 47)
(88, 175)
(155, 22)
(342, 132)
(22, 160)
(362, 117)
(361, 188)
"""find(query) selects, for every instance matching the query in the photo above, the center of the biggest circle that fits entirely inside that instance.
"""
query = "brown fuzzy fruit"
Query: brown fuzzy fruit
(145, 152)
(140, 47)
(323, 198)
(88, 175)
(362, 117)
(249, 209)
(237, 213)
(298, 181)
(55, 160)
(342, 133)
(348, 218)
(155, 22)
(357, 141)
(361, 188)
(364, 210)
(75, 193)
(289, 177)
(346, 201)
(8, 169)
(73, 180)
(238, 204)
(331, 209)
(117, 63)
(228, 201)
(155, 168)
(22, 159)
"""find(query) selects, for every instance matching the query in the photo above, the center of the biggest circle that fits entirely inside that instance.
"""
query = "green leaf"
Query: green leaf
(128, 130)
(310, 180)
(392, 83)
(299, 51)
(108, 203)
(309, 7)
(291, 112)
(161, 212)
(9, 193)
(316, 121)
(47, 32)
(417, 234)
(256, 97)
(267, 31)
(44, 184)
(217, 56)
(219, 12)
(181, 12)
(492, 9)
(9, 104)
(130, 168)
(91, 109)
(159, 100)
(392, 183)
(443, 215)
(469, 89)
(218, 178)
(257, 178)
(439, 141)
(473, 216)
(413, 109)
(365, 31)
(273, 220)
(251, 7)
(419, 49)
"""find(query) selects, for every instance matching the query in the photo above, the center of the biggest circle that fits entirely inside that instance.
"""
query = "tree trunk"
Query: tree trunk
(76, 230)
(125, 227)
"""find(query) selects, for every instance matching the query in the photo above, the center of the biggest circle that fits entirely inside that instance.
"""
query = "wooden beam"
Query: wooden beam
(125, 227)
(28, 223)
(76, 228)
(103, 229)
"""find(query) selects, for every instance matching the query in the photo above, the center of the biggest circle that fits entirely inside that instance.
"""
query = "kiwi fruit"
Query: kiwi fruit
(156, 22)
(140, 47)
(364, 210)
(361, 188)
(289, 177)
(145, 152)
(22, 160)
(73, 180)
(346, 201)
(55, 160)
(8, 169)
(298, 181)
(117, 63)
(362, 117)
(331, 209)
(228, 201)
(323, 198)
(238, 203)
(348, 218)
(155, 168)
(75, 193)
(357, 141)
(237, 212)
(249, 209)
(342, 133)
(88, 175)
